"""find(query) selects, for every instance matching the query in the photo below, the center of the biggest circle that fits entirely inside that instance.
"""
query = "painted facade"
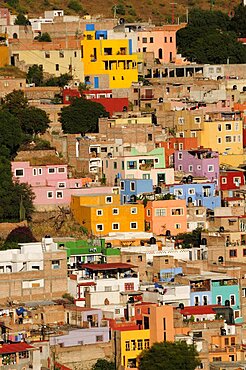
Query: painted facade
(134, 187)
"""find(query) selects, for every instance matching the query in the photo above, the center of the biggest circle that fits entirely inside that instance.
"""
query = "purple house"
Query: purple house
(198, 162)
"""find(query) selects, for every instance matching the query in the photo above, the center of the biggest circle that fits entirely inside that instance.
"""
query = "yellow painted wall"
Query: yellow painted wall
(4, 55)
(49, 64)
(232, 160)
(85, 210)
(119, 66)
(129, 336)
(213, 135)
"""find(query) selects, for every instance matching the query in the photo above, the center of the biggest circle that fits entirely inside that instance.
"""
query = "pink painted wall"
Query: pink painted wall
(160, 224)
(163, 44)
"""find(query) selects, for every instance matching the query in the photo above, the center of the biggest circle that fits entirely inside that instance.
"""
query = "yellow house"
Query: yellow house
(4, 52)
(226, 137)
(103, 213)
(108, 63)
(132, 343)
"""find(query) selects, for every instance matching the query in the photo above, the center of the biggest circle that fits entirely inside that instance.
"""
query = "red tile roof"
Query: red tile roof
(199, 310)
(62, 367)
(15, 347)
(107, 266)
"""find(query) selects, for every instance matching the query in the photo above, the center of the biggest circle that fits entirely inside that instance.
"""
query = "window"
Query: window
(219, 127)
(144, 40)
(236, 314)
(51, 170)
(99, 338)
(228, 139)
(55, 264)
(150, 137)
(165, 39)
(219, 299)
(219, 141)
(134, 210)
(49, 194)
(148, 212)
(127, 345)
(181, 146)
(115, 165)
(178, 192)
(237, 180)
(191, 191)
(239, 138)
(146, 343)
(47, 54)
(117, 311)
(115, 211)
(133, 225)
(140, 344)
(133, 345)
(210, 168)
(177, 226)
(108, 200)
(99, 212)
(171, 39)
(132, 165)
(19, 172)
(226, 341)
(228, 127)
(24, 354)
(35, 172)
(177, 211)
(57, 67)
(224, 180)
(193, 134)
(61, 169)
(122, 185)
(197, 119)
(233, 342)
(59, 195)
(115, 226)
(61, 54)
(196, 301)
(151, 40)
(99, 227)
(180, 167)
(61, 184)
(181, 120)
(233, 252)
(132, 186)
(232, 300)
(160, 212)
(215, 359)
(108, 288)
(190, 168)
(180, 156)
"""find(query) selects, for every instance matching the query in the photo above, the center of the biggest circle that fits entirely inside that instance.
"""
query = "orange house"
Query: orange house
(162, 216)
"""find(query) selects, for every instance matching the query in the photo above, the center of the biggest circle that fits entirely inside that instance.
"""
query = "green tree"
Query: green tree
(75, 6)
(21, 234)
(21, 20)
(169, 356)
(14, 102)
(81, 116)
(103, 364)
(11, 135)
(238, 22)
(60, 81)
(192, 239)
(33, 121)
(45, 37)
(35, 75)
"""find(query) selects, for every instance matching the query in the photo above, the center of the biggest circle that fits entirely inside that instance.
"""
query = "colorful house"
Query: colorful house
(166, 217)
(102, 214)
(231, 179)
(198, 162)
(200, 194)
(134, 188)
(108, 63)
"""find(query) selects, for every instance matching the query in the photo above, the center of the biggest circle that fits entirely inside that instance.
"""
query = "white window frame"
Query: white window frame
(52, 193)
(175, 192)
(191, 191)
(59, 191)
(122, 185)
(181, 120)
(19, 169)
(173, 209)
(115, 211)
(180, 167)
(40, 171)
(148, 212)
(98, 211)
(115, 223)
(134, 210)
(51, 168)
(190, 169)
(197, 120)
(235, 302)
(59, 170)
(220, 299)
(160, 212)
(133, 228)
(59, 185)
(198, 167)
(132, 183)
(219, 140)
(107, 201)
(180, 156)
(235, 180)
(97, 229)
(179, 226)
(211, 165)
(223, 180)
(35, 172)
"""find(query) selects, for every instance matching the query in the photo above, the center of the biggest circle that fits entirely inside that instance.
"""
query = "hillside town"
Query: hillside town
(122, 195)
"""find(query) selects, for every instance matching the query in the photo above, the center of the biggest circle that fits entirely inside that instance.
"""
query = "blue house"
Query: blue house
(200, 194)
(200, 291)
(134, 187)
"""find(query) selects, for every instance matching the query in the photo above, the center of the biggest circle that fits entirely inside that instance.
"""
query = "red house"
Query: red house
(176, 143)
(104, 97)
(231, 179)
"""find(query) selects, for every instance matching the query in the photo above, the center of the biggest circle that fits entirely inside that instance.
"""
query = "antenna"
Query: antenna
(173, 12)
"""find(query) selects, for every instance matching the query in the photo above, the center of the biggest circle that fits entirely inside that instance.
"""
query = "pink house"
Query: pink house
(51, 184)
(166, 217)
(159, 40)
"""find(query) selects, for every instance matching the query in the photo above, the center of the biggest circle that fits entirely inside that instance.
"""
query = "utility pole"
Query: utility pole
(173, 12)
(187, 15)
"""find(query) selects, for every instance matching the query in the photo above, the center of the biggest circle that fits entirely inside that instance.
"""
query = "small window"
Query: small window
(61, 169)
(211, 168)
(232, 300)
(59, 195)
(224, 180)
(144, 40)
(191, 191)
(115, 226)
(132, 186)
(108, 200)
(99, 227)
(233, 253)
(115, 211)
(51, 170)
(47, 54)
(133, 225)
(134, 210)
(99, 212)
(19, 172)
(57, 67)
(99, 338)
(40, 171)
(177, 211)
(197, 119)
(219, 140)
(122, 185)
(190, 168)
(61, 184)
(61, 54)
(49, 194)
(151, 40)
(148, 212)
(171, 39)
(127, 345)
(35, 172)
(177, 226)
(180, 156)
(75, 54)
(56, 264)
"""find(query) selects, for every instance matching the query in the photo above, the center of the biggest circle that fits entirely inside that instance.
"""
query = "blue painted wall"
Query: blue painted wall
(141, 186)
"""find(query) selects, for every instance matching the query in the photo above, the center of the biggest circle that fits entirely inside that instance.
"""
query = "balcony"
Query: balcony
(200, 286)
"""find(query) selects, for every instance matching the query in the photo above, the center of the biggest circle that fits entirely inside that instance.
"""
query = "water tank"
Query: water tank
(181, 306)
(168, 233)
(204, 241)
(158, 190)
(222, 229)
(227, 303)
(152, 240)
